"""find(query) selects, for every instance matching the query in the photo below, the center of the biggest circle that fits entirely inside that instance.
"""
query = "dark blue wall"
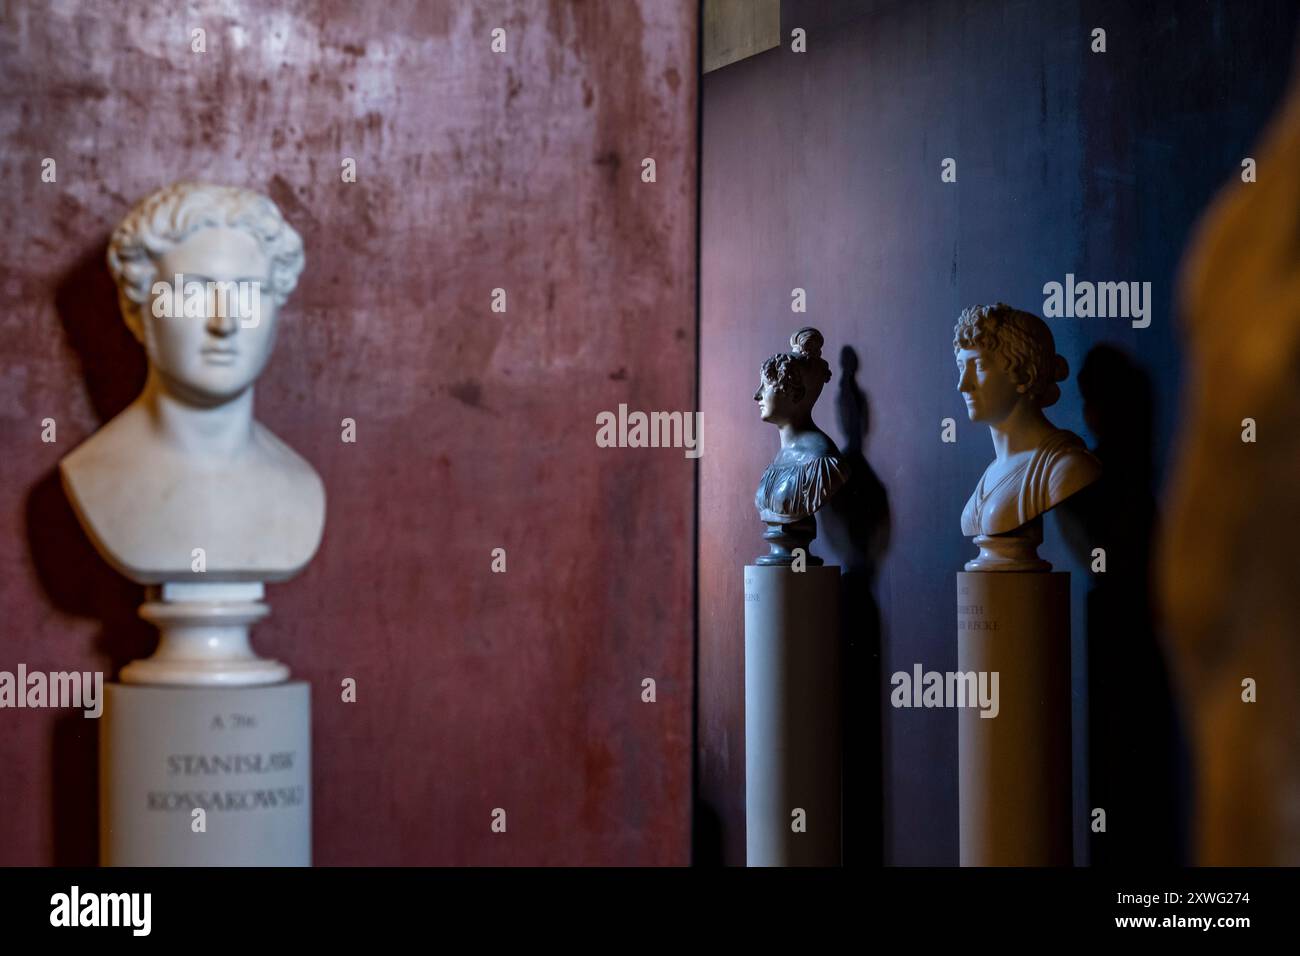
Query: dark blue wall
(822, 171)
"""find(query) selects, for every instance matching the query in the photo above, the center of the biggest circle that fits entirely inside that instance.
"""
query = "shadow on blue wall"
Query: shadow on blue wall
(821, 170)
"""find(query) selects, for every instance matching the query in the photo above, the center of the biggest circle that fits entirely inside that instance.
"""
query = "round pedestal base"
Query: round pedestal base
(203, 638)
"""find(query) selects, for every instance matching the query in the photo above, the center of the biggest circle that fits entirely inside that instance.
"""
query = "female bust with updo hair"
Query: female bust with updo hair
(1007, 372)
(809, 468)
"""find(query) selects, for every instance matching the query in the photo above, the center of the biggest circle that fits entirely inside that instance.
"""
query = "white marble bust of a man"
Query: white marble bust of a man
(1007, 370)
(185, 466)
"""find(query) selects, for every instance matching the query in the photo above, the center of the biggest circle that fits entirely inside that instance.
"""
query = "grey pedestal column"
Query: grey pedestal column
(1014, 769)
(240, 754)
(792, 716)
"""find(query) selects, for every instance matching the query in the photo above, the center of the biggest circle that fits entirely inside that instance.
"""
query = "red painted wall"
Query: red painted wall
(475, 430)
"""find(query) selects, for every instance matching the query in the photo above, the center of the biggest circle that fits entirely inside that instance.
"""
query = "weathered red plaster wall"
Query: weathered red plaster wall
(475, 430)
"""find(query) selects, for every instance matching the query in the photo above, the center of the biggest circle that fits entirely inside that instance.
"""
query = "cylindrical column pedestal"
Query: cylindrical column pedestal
(1014, 768)
(792, 716)
(240, 754)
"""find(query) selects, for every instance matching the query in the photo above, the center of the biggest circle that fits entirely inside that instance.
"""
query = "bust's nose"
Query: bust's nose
(758, 395)
(220, 322)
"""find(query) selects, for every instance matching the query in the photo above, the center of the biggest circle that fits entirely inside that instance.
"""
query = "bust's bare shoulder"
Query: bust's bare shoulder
(145, 505)
(276, 453)
(117, 439)
(1073, 468)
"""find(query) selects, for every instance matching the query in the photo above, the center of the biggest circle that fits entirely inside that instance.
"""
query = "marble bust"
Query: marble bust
(186, 465)
(808, 469)
(1008, 371)
(201, 272)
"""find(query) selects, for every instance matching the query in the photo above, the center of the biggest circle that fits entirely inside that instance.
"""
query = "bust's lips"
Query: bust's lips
(220, 356)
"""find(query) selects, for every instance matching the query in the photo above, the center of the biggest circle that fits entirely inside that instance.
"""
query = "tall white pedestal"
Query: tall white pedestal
(1014, 769)
(792, 716)
(241, 754)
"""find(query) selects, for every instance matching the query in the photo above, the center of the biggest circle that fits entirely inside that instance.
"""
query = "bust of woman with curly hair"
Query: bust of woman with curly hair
(1007, 370)
(809, 468)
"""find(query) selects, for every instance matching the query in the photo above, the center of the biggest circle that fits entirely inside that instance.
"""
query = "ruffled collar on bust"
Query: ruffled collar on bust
(793, 490)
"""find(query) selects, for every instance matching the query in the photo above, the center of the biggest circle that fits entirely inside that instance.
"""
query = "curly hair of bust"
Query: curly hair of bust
(793, 373)
(1022, 341)
(169, 216)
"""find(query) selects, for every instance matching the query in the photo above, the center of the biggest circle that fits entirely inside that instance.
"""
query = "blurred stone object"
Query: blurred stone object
(1227, 567)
